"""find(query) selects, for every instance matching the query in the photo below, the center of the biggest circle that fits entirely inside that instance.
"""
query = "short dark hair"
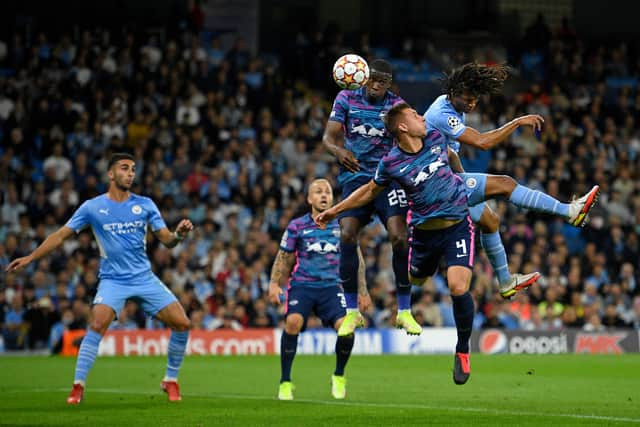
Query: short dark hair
(381, 66)
(390, 119)
(475, 79)
(116, 157)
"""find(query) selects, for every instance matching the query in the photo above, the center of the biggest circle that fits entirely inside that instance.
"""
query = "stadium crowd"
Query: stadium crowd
(231, 140)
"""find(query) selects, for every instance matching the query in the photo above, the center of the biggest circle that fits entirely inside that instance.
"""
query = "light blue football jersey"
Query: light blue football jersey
(120, 229)
(441, 116)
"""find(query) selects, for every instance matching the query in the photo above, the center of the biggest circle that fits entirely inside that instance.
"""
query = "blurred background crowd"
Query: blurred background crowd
(230, 138)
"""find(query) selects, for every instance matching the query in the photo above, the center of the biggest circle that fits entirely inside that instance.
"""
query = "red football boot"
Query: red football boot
(75, 397)
(172, 390)
(461, 368)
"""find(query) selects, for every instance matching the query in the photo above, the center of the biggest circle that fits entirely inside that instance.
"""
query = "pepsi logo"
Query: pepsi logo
(492, 342)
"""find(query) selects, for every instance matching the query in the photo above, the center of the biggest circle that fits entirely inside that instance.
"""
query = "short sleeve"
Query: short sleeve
(340, 108)
(447, 122)
(288, 242)
(155, 219)
(80, 218)
(382, 177)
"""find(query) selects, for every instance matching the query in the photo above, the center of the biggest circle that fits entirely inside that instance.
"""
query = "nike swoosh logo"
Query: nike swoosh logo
(306, 231)
(461, 255)
(404, 168)
(355, 111)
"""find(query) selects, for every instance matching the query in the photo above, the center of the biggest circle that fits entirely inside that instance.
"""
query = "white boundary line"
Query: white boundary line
(352, 403)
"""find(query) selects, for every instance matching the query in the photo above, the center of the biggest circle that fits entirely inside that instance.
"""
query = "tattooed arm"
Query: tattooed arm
(364, 299)
(281, 268)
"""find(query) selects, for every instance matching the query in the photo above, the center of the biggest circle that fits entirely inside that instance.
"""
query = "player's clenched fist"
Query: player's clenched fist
(184, 227)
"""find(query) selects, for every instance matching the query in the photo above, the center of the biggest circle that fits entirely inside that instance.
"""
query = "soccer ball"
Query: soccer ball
(351, 72)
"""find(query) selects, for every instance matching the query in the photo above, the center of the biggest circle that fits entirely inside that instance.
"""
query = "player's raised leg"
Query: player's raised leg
(101, 317)
(349, 230)
(576, 212)
(174, 317)
(489, 223)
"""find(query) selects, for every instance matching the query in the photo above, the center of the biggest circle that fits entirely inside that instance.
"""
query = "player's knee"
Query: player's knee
(293, 324)
(399, 241)
(506, 184)
(349, 229)
(349, 237)
(458, 288)
(99, 325)
(182, 324)
(490, 221)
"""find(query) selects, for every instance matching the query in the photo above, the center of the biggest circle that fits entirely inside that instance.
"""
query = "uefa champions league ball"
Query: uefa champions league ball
(351, 71)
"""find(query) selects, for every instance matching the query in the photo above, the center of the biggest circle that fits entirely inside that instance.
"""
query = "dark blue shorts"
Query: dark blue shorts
(427, 247)
(328, 303)
(392, 201)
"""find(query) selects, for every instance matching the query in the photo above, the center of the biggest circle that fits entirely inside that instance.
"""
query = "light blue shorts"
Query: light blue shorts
(475, 184)
(148, 291)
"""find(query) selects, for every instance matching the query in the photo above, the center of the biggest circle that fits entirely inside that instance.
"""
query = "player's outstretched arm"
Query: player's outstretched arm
(488, 140)
(50, 243)
(360, 197)
(170, 239)
(333, 141)
(281, 268)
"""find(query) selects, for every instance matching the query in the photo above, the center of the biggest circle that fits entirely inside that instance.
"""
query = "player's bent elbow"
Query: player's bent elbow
(484, 145)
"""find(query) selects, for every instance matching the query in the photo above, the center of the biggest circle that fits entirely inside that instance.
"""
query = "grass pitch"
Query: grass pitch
(381, 391)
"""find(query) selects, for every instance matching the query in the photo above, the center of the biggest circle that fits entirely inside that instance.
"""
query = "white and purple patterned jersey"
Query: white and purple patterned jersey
(442, 117)
(364, 131)
(317, 252)
(433, 189)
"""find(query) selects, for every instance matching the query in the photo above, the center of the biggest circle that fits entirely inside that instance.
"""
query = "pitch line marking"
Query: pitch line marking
(351, 403)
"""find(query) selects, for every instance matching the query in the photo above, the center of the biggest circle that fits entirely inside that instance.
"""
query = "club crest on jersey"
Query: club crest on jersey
(428, 172)
(136, 209)
(322, 247)
(336, 232)
(471, 183)
(367, 130)
(436, 149)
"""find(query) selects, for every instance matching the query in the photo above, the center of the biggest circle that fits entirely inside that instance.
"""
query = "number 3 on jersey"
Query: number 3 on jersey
(397, 197)
(343, 300)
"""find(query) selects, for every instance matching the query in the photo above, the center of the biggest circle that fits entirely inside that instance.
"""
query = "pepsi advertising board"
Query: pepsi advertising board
(495, 341)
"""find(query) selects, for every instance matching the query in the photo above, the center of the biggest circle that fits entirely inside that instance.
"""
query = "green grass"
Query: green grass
(382, 391)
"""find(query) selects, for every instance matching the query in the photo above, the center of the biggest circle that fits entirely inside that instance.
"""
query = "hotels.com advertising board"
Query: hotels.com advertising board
(368, 341)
